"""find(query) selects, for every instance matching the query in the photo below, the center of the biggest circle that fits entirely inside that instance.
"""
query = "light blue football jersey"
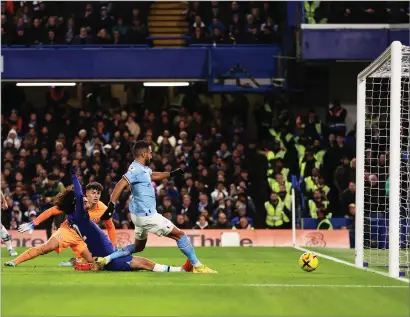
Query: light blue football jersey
(143, 194)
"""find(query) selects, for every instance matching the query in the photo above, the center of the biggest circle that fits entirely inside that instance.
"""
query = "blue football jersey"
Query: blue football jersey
(143, 201)
(97, 242)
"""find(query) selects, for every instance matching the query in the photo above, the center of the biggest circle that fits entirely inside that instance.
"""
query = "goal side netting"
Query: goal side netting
(383, 163)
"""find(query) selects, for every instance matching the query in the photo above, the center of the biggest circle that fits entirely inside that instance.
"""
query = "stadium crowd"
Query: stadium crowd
(235, 22)
(39, 148)
(230, 181)
(353, 12)
(78, 23)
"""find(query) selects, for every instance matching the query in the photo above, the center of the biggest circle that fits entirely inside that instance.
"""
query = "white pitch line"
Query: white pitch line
(221, 285)
(331, 258)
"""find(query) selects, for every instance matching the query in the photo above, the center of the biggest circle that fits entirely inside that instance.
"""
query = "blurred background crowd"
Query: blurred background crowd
(244, 22)
(240, 162)
(232, 180)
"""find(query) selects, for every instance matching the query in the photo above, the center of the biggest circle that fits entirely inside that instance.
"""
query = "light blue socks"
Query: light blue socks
(186, 247)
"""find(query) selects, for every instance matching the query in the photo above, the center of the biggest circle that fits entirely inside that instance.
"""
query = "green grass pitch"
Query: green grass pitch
(251, 282)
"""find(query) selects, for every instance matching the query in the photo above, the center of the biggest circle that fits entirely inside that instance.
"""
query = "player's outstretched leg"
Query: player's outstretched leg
(186, 248)
(34, 252)
(139, 263)
(7, 240)
(137, 246)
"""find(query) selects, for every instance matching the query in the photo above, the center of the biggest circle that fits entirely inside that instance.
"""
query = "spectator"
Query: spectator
(106, 21)
(336, 118)
(36, 32)
(222, 222)
(241, 212)
(138, 32)
(51, 38)
(188, 209)
(168, 207)
(243, 224)
(219, 193)
(216, 24)
(103, 37)
(69, 31)
(202, 223)
(82, 38)
(203, 202)
(317, 201)
(182, 223)
(343, 175)
(347, 197)
(275, 216)
(21, 37)
(120, 28)
(199, 24)
(199, 37)
(323, 222)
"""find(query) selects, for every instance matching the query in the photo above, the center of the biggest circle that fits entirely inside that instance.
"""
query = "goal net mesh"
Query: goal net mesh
(377, 148)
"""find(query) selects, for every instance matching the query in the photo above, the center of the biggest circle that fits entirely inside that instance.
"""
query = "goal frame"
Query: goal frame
(394, 54)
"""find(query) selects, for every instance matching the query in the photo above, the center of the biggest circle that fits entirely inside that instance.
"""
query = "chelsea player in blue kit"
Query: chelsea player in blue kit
(143, 209)
(74, 204)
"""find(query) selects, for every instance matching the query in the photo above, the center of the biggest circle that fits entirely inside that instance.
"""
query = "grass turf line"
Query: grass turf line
(251, 282)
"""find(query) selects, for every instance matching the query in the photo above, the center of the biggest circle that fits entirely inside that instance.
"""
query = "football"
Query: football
(308, 262)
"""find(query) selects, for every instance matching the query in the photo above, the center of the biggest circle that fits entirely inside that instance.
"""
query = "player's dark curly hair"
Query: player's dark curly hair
(94, 186)
(65, 201)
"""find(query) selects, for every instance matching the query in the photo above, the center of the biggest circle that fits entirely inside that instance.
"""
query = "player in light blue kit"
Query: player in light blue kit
(144, 212)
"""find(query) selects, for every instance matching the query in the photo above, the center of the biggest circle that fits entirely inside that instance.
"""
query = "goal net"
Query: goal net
(383, 163)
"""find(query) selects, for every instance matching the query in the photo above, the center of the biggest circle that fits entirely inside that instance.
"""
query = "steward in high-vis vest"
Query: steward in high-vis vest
(323, 222)
(318, 151)
(301, 145)
(307, 164)
(286, 199)
(277, 167)
(310, 12)
(311, 126)
(314, 204)
(275, 184)
(311, 181)
(275, 215)
(321, 186)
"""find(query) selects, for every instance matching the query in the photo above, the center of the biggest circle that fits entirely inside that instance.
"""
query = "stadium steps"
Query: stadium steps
(168, 19)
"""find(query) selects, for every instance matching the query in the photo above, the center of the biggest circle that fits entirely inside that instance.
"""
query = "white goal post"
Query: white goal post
(383, 163)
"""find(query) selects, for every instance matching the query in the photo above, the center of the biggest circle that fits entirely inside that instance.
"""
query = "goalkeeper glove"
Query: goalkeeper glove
(177, 172)
(26, 227)
(109, 211)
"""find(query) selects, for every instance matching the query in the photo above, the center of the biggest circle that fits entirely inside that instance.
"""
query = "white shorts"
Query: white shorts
(157, 224)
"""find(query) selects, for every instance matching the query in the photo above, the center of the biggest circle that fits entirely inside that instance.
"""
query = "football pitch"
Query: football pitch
(250, 282)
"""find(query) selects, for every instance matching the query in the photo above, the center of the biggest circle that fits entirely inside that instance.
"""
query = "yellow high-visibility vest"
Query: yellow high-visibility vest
(325, 221)
(309, 184)
(313, 208)
(303, 166)
(301, 150)
(275, 186)
(325, 188)
(275, 216)
(284, 172)
(319, 156)
(287, 201)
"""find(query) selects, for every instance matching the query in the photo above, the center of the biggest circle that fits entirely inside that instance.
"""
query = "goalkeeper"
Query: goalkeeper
(75, 205)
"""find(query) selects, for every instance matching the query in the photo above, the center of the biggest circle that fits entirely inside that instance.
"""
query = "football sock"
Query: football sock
(166, 268)
(6, 238)
(129, 249)
(29, 254)
(186, 248)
